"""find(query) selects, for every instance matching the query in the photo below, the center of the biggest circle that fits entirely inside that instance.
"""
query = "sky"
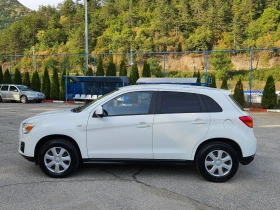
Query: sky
(34, 4)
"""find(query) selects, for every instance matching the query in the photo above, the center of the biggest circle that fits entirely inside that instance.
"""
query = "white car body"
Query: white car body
(144, 137)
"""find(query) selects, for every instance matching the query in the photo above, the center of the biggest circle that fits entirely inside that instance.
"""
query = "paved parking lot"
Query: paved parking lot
(24, 186)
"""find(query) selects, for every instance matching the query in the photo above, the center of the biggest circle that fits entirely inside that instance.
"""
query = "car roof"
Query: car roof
(174, 87)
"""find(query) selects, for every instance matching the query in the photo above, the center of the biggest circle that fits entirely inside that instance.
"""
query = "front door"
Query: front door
(179, 124)
(4, 92)
(13, 93)
(126, 129)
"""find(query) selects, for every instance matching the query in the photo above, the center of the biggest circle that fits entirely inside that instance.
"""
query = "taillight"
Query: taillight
(247, 120)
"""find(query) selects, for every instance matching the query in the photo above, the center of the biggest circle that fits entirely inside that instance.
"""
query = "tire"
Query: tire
(39, 101)
(1, 100)
(23, 99)
(210, 163)
(58, 168)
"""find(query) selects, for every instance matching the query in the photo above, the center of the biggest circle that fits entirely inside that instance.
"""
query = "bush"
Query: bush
(111, 69)
(17, 77)
(100, 69)
(7, 77)
(26, 79)
(62, 85)
(123, 69)
(224, 84)
(134, 74)
(269, 98)
(36, 82)
(55, 85)
(1, 74)
(46, 86)
(146, 70)
(213, 84)
(89, 72)
(239, 93)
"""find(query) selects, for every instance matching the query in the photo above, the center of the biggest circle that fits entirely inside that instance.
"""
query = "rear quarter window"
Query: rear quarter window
(210, 104)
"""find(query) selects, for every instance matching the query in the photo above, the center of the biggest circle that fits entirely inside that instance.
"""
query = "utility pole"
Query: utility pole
(86, 35)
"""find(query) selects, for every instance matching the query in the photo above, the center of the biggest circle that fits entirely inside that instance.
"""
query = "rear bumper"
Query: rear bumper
(247, 160)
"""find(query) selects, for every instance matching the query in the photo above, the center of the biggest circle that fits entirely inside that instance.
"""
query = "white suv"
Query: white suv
(172, 123)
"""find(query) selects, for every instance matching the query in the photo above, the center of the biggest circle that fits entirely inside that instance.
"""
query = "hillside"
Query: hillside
(11, 11)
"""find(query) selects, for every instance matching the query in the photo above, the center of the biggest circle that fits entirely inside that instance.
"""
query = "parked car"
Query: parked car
(150, 123)
(19, 93)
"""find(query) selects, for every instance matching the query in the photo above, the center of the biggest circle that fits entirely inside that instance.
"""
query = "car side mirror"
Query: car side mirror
(99, 112)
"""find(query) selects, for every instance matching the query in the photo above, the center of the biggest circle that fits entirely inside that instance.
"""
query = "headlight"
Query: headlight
(26, 128)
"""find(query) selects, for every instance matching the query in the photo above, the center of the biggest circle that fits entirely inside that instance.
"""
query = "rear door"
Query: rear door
(181, 121)
(4, 92)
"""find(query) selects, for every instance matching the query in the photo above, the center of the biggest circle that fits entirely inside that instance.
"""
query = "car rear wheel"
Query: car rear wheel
(23, 99)
(58, 158)
(39, 101)
(217, 162)
(1, 100)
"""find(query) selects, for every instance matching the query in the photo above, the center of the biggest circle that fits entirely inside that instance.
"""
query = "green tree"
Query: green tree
(62, 85)
(77, 74)
(239, 93)
(156, 69)
(1, 74)
(26, 79)
(89, 72)
(111, 69)
(17, 77)
(269, 98)
(123, 69)
(35, 82)
(55, 89)
(7, 77)
(100, 68)
(134, 74)
(194, 74)
(46, 86)
(213, 84)
(198, 77)
(224, 84)
(146, 70)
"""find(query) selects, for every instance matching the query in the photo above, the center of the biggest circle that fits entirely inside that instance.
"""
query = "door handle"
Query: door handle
(143, 125)
(199, 122)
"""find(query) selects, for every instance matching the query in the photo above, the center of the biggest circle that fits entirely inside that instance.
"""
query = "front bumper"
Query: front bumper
(247, 160)
(35, 98)
(31, 159)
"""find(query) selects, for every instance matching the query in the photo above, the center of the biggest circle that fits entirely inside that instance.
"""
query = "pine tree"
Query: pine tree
(17, 77)
(89, 72)
(239, 93)
(1, 74)
(111, 69)
(198, 77)
(26, 79)
(55, 90)
(194, 74)
(213, 84)
(224, 84)
(134, 74)
(269, 98)
(146, 70)
(46, 86)
(62, 85)
(36, 82)
(100, 69)
(7, 77)
(123, 69)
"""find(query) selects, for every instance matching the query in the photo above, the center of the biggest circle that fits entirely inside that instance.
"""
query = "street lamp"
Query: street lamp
(86, 35)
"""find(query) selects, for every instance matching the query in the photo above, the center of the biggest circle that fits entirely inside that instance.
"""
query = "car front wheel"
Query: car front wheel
(217, 162)
(58, 158)
(23, 99)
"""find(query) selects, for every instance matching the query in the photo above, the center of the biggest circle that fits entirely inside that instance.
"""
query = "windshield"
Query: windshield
(23, 88)
(82, 108)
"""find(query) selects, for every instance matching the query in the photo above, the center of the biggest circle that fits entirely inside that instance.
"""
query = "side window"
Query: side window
(134, 103)
(13, 89)
(178, 102)
(4, 88)
(211, 104)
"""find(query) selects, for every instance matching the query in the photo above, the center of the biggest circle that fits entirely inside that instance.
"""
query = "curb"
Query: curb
(63, 102)
(262, 110)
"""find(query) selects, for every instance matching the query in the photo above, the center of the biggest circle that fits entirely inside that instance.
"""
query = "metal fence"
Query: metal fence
(253, 66)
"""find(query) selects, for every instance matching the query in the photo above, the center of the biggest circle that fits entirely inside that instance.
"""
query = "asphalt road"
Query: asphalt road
(24, 186)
